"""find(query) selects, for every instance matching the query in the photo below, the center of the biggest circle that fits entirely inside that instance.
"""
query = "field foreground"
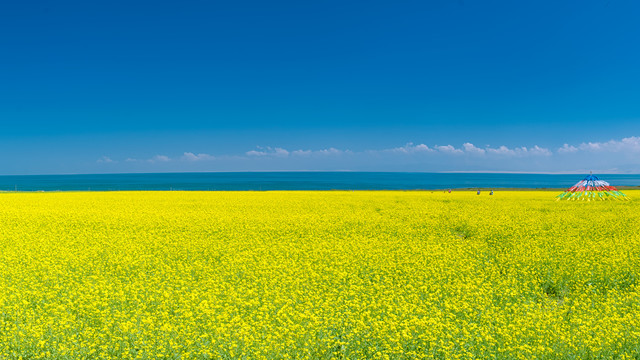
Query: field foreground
(281, 275)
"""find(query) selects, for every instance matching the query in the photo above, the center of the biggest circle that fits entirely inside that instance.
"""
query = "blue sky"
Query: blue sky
(99, 87)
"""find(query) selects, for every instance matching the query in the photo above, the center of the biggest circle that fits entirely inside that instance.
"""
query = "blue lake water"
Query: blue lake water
(296, 181)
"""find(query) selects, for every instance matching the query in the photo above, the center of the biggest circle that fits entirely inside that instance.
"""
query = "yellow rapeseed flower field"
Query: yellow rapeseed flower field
(318, 275)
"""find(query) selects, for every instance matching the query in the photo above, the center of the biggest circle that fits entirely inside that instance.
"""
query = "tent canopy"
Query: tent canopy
(592, 188)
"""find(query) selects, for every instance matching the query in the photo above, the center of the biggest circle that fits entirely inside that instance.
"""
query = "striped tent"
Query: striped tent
(592, 188)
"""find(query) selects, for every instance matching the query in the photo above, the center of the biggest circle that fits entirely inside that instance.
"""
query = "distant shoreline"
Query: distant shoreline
(622, 188)
(262, 181)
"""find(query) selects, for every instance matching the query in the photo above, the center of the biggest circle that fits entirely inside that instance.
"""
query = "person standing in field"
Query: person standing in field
(478, 192)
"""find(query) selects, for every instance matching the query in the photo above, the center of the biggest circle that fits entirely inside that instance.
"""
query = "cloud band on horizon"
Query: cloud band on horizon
(415, 157)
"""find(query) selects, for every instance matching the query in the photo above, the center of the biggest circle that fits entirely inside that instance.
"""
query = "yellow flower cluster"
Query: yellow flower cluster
(318, 275)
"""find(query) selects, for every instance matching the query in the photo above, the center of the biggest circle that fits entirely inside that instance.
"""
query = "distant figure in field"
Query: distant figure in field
(449, 191)
(491, 193)
(478, 191)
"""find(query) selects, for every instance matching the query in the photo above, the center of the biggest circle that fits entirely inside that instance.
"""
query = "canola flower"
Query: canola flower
(317, 275)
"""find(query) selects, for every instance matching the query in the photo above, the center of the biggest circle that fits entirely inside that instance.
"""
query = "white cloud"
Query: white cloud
(631, 144)
(467, 149)
(414, 157)
(189, 156)
(407, 149)
(536, 150)
(520, 151)
(472, 149)
(282, 153)
(268, 151)
(159, 159)
(153, 160)
(329, 151)
(301, 152)
(502, 150)
(105, 160)
(566, 148)
(617, 155)
(256, 153)
(448, 149)
(410, 148)
(628, 144)
(591, 146)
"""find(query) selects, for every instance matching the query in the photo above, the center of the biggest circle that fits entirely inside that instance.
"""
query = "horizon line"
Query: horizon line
(331, 171)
